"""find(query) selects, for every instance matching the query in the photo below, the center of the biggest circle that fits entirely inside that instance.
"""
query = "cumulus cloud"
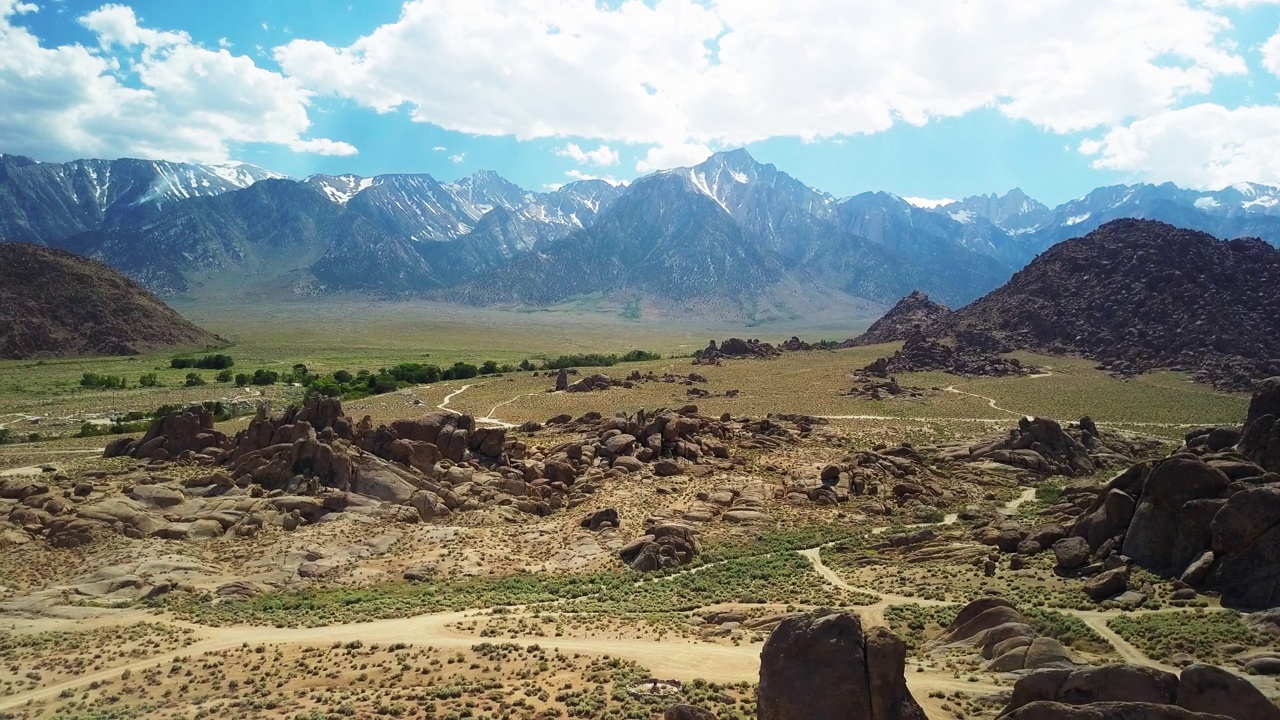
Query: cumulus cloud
(1204, 146)
(142, 93)
(603, 156)
(458, 158)
(735, 71)
(579, 175)
(928, 203)
(664, 157)
(1271, 54)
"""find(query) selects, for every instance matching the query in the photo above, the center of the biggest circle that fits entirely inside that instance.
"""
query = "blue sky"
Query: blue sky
(1056, 97)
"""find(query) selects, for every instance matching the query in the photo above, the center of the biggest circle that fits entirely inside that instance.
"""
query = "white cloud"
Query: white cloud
(1271, 54)
(1203, 146)
(664, 157)
(928, 203)
(731, 72)
(458, 158)
(603, 156)
(440, 148)
(142, 93)
(579, 175)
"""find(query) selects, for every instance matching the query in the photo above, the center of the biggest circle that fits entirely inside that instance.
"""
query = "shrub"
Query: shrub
(225, 376)
(148, 380)
(342, 377)
(265, 377)
(241, 379)
(103, 382)
(208, 362)
(460, 371)
(194, 379)
(640, 356)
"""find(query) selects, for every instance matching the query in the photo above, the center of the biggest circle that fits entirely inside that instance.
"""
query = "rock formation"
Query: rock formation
(1132, 691)
(1209, 514)
(913, 315)
(973, 354)
(1002, 637)
(822, 666)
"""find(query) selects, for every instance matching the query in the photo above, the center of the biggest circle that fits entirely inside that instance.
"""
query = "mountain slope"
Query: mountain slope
(55, 304)
(46, 202)
(914, 314)
(663, 236)
(1138, 295)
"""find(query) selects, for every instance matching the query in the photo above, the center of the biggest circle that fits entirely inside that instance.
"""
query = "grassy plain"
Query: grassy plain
(355, 335)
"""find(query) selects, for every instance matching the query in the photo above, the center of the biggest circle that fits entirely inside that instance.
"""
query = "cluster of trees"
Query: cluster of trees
(208, 362)
(592, 360)
(103, 382)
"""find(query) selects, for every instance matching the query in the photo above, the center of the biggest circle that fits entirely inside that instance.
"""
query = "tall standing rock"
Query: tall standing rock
(821, 666)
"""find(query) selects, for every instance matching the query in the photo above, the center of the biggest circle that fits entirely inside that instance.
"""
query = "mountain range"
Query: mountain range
(730, 230)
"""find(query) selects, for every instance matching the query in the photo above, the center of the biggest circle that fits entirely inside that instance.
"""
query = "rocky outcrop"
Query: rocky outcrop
(185, 432)
(1209, 514)
(1046, 447)
(913, 315)
(734, 349)
(867, 387)
(1002, 637)
(663, 546)
(1132, 691)
(973, 354)
(822, 666)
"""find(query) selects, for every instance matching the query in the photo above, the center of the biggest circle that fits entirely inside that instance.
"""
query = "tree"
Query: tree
(241, 379)
(342, 376)
(194, 379)
(225, 376)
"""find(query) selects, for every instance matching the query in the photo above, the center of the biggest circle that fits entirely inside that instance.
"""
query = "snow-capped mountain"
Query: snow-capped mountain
(45, 202)
(729, 228)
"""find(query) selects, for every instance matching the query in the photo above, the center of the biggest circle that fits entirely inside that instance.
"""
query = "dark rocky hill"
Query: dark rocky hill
(1137, 295)
(53, 303)
(912, 315)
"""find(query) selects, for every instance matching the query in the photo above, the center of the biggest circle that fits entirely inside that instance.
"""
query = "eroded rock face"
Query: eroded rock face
(822, 666)
(974, 354)
(189, 430)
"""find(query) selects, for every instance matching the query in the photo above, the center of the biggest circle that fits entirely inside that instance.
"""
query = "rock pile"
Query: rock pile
(822, 666)
(913, 315)
(1202, 692)
(1045, 447)
(735, 349)
(1003, 638)
(1208, 515)
(664, 545)
(867, 387)
(974, 354)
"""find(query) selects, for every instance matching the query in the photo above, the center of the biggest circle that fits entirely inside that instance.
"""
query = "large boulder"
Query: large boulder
(1110, 683)
(1209, 689)
(821, 666)
(1165, 517)
(1246, 545)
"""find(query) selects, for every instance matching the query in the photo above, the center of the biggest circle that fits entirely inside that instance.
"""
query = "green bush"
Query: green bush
(241, 379)
(208, 362)
(149, 380)
(265, 377)
(194, 379)
(225, 376)
(103, 382)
